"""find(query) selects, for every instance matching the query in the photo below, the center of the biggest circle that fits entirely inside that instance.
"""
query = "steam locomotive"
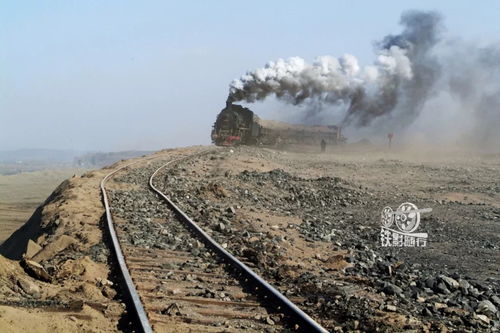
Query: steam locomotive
(237, 125)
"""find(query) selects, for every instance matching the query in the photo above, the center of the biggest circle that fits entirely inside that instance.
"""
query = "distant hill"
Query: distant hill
(39, 155)
(27, 160)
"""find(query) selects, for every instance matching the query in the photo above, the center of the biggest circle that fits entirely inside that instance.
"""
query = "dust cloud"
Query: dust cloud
(425, 86)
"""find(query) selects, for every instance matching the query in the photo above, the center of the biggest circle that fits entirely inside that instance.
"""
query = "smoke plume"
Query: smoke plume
(412, 71)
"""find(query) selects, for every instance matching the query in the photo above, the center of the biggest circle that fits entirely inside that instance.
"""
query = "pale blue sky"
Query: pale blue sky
(116, 75)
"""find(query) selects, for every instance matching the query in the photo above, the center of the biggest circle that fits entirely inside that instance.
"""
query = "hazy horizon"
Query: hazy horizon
(115, 76)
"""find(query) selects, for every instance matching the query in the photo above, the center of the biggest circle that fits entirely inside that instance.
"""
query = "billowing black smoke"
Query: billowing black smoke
(420, 35)
(414, 72)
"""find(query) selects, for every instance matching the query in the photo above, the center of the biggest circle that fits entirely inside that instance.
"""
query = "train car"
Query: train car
(237, 125)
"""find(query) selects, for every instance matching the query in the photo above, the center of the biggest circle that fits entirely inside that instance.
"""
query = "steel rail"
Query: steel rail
(137, 305)
(283, 304)
(138, 308)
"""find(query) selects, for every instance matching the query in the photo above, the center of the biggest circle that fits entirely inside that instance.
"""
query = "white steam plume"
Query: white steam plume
(366, 92)
(327, 79)
(420, 84)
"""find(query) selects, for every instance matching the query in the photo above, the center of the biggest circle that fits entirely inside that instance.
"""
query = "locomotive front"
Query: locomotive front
(233, 126)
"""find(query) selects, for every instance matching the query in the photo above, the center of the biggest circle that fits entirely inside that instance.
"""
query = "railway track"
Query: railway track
(177, 277)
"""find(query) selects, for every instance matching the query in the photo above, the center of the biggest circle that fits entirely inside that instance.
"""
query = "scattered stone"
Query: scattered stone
(29, 287)
(54, 247)
(71, 268)
(31, 249)
(483, 318)
(474, 292)
(441, 288)
(451, 283)
(464, 284)
(486, 307)
(439, 306)
(108, 292)
(391, 289)
(172, 310)
(36, 270)
(391, 308)
(104, 282)
(426, 312)
(430, 283)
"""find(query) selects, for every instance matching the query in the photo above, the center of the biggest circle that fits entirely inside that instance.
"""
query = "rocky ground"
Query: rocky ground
(311, 224)
(148, 228)
(308, 222)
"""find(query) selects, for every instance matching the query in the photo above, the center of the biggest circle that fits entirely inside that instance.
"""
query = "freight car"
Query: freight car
(236, 124)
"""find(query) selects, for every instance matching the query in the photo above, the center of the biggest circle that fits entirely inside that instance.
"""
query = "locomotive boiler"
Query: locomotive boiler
(237, 125)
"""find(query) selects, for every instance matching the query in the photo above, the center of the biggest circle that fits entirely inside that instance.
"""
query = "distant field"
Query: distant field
(21, 193)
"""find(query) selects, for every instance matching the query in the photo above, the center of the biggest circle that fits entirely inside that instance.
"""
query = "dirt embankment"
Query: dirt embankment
(55, 269)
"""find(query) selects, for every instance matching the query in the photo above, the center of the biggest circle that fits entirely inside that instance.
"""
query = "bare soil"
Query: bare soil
(308, 222)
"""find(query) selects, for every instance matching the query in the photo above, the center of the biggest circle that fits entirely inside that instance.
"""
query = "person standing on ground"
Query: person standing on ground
(323, 145)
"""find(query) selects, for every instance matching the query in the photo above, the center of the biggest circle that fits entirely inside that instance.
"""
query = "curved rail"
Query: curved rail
(304, 322)
(143, 320)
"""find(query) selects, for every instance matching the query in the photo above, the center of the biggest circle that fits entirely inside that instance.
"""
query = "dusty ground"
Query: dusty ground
(308, 222)
(462, 190)
(311, 224)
